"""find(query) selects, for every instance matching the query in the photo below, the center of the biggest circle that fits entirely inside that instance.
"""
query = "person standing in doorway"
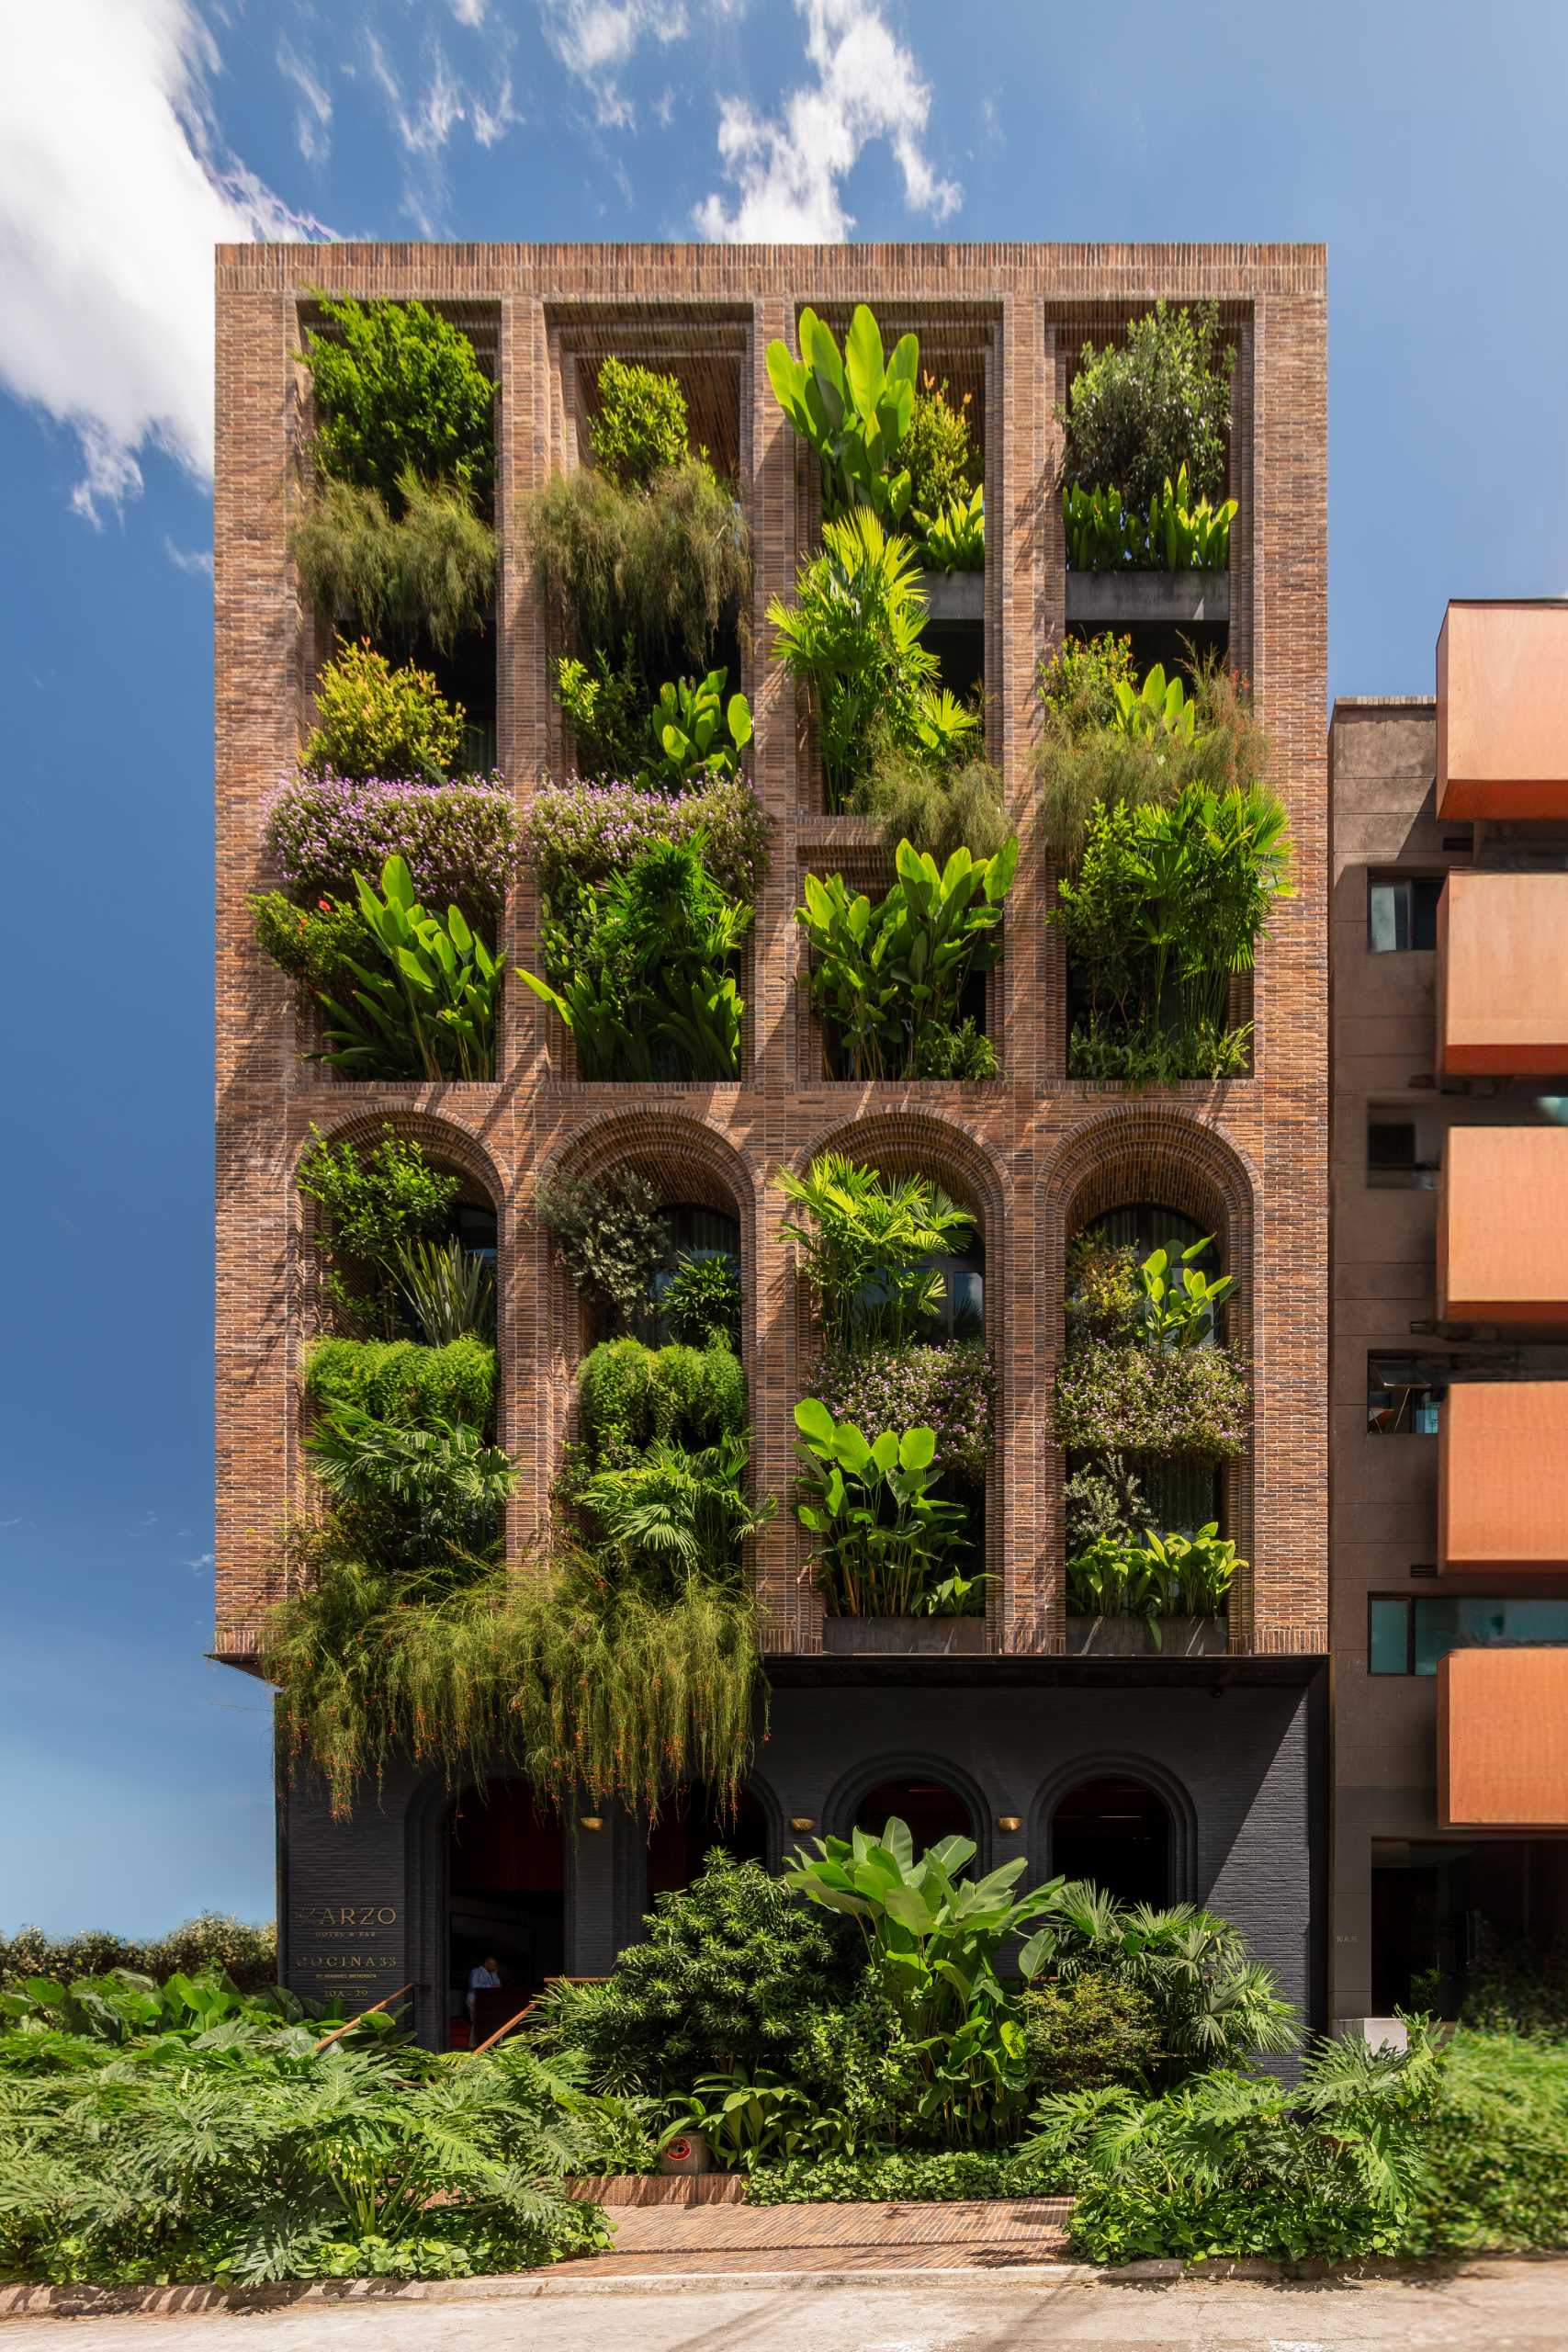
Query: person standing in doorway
(482, 1979)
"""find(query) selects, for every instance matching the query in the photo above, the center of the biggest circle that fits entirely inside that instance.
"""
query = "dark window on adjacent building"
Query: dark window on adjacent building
(1393, 1157)
(1401, 911)
(1404, 1393)
(1409, 1635)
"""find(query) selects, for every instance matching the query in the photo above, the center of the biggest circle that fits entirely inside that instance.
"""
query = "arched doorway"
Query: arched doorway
(505, 1898)
(1116, 1832)
(930, 1807)
(690, 1825)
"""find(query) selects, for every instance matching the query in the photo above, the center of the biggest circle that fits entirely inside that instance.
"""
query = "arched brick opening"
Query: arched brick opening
(1150, 1152)
(1113, 1765)
(850, 1792)
(918, 1143)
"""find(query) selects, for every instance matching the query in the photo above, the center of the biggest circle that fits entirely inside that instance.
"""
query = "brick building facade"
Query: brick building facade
(1231, 1745)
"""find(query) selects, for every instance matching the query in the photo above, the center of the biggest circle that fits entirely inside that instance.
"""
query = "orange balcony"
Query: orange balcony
(1503, 1739)
(1502, 711)
(1502, 1226)
(1502, 976)
(1503, 1475)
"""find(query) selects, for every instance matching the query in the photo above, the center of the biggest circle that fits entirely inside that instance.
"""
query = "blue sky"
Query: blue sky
(1423, 140)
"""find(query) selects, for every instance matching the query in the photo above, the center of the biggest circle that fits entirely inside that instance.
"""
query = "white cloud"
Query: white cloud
(426, 122)
(112, 200)
(313, 112)
(595, 38)
(787, 170)
(199, 560)
(470, 13)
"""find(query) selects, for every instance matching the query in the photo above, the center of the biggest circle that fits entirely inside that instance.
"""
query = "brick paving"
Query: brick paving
(659, 2240)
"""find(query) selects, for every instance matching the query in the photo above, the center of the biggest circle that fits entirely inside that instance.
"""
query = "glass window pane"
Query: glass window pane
(1388, 918)
(1424, 895)
(1388, 1637)
(1437, 1628)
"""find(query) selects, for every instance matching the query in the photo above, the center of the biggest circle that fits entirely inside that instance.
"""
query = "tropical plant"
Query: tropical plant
(750, 2118)
(949, 1390)
(954, 538)
(640, 426)
(412, 1492)
(397, 386)
(424, 998)
(726, 1978)
(933, 1940)
(700, 1305)
(633, 1397)
(935, 806)
(853, 411)
(938, 447)
(1112, 1399)
(1089, 2031)
(1176, 1305)
(1160, 399)
(459, 840)
(672, 1514)
(700, 737)
(641, 970)
(865, 1253)
(556, 1671)
(612, 1238)
(605, 704)
(581, 833)
(1173, 1575)
(853, 635)
(395, 1380)
(1168, 905)
(1173, 533)
(316, 945)
(451, 1290)
(373, 1202)
(1156, 707)
(666, 566)
(213, 1943)
(885, 1533)
(374, 720)
(882, 977)
(422, 574)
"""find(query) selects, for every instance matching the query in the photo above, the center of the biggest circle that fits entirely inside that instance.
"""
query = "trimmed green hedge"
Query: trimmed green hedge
(915, 2178)
(633, 1397)
(397, 1380)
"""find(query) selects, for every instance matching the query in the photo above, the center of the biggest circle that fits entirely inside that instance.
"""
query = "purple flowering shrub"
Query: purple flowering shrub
(950, 1390)
(585, 832)
(1112, 1399)
(460, 841)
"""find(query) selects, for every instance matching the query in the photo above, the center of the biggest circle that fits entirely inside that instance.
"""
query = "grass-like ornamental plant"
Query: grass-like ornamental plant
(1175, 532)
(866, 1247)
(450, 1291)
(937, 805)
(1150, 405)
(424, 574)
(950, 1391)
(632, 1396)
(549, 1670)
(459, 840)
(883, 978)
(885, 1533)
(582, 833)
(395, 1380)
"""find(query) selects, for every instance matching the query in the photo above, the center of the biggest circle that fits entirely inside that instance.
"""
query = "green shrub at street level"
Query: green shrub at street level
(1496, 2174)
(1090, 2031)
(246, 1955)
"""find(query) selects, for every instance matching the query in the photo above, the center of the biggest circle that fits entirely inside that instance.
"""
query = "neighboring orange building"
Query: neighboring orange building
(1449, 1238)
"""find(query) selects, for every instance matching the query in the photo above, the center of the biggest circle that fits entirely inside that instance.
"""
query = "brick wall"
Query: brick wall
(1018, 1151)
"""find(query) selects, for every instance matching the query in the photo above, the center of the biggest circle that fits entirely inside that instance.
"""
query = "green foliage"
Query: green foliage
(853, 635)
(45, 2021)
(666, 566)
(1174, 533)
(375, 1204)
(882, 978)
(854, 411)
(395, 1380)
(424, 992)
(1142, 409)
(906, 2176)
(373, 720)
(700, 1306)
(398, 388)
(728, 1975)
(245, 1956)
(948, 1389)
(1078, 683)
(1496, 2149)
(587, 1688)
(607, 708)
(700, 737)
(956, 1051)
(935, 806)
(633, 1397)
(1174, 1575)
(639, 427)
(318, 947)
(884, 1533)
(450, 1291)
(1112, 1293)
(424, 575)
(933, 1940)
(939, 449)
(865, 1253)
(1089, 2031)
(1514, 1985)
(412, 1493)
(245, 2154)
(1328, 2168)
(953, 536)
(1156, 707)
(673, 1515)
(1167, 905)
(1114, 1400)
(643, 970)
(611, 1235)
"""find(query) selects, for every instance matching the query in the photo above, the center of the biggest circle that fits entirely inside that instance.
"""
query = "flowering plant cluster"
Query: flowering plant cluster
(459, 840)
(1114, 1400)
(948, 1390)
(585, 832)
